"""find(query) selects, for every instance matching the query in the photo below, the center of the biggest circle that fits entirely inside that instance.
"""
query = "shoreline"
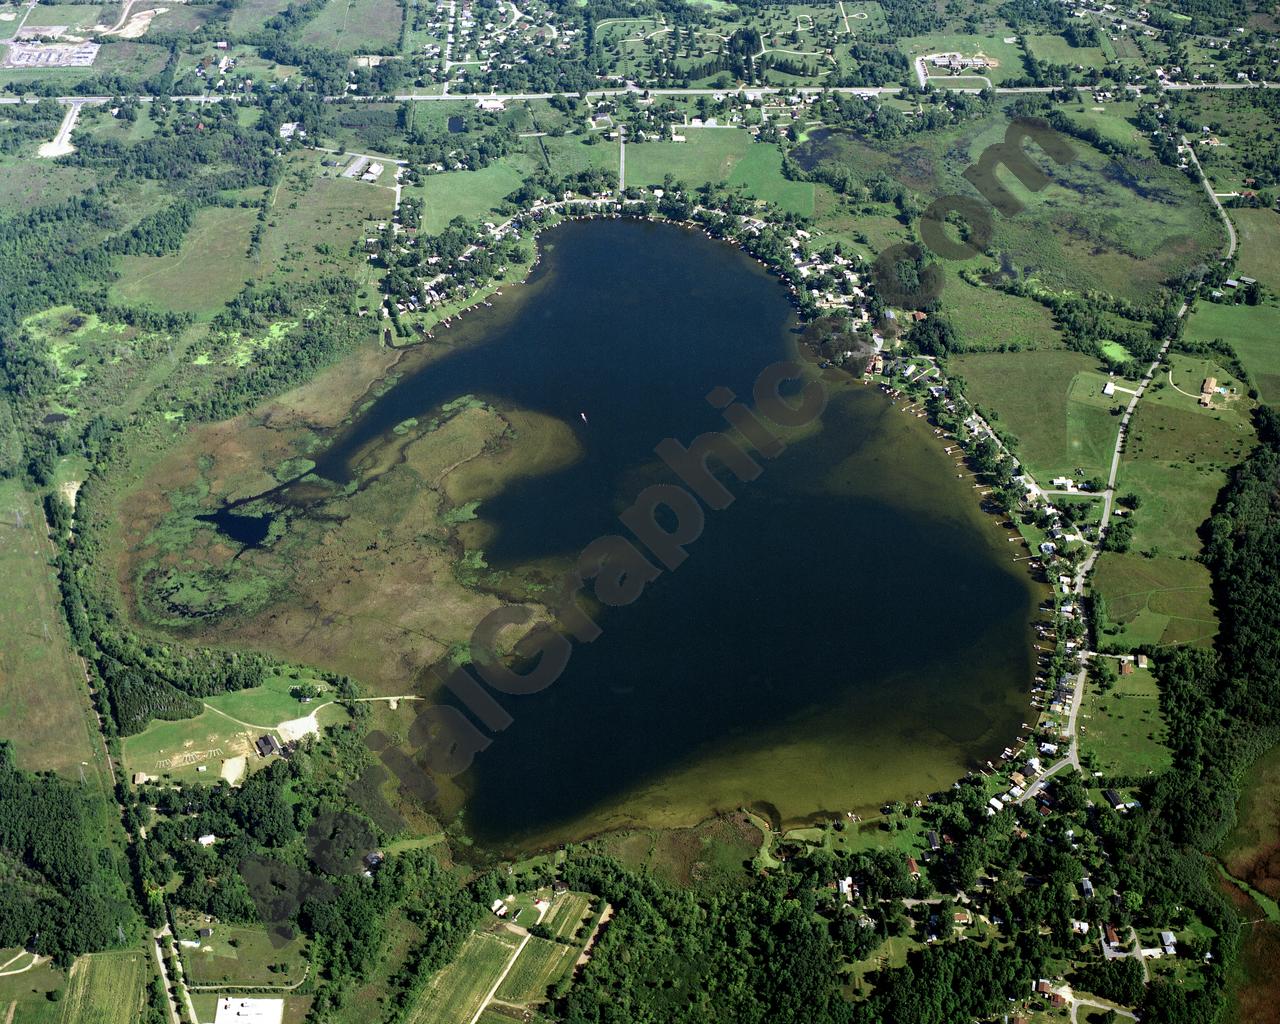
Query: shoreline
(813, 359)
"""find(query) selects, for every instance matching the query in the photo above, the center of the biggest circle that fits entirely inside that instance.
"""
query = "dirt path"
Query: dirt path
(585, 955)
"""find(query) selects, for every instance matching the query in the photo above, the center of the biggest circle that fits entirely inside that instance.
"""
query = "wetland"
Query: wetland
(852, 629)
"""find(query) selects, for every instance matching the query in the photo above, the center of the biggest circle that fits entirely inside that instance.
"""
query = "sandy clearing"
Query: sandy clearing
(233, 769)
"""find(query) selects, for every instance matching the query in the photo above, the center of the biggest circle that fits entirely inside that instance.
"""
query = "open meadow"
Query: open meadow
(1259, 242)
(1121, 729)
(1252, 331)
(728, 156)
(355, 26)
(106, 988)
(1053, 404)
(214, 253)
(44, 704)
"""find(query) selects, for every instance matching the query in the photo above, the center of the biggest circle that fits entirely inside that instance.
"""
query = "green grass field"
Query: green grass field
(1155, 601)
(201, 277)
(44, 707)
(1008, 56)
(456, 993)
(1254, 333)
(1178, 455)
(354, 26)
(727, 156)
(251, 15)
(1259, 232)
(239, 956)
(25, 997)
(1052, 402)
(179, 748)
(469, 194)
(106, 988)
(987, 318)
(1056, 50)
(1122, 728)
(314, 221)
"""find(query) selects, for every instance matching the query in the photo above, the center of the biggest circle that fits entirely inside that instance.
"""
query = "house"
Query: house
(267, 746)
(1113, 937)
(207, 840)
(1113, 798)
(499, 908)
(913, 867)
(1169, 943)
(204, 933)
(1109, 388)
(934, 842)
(1086, 888)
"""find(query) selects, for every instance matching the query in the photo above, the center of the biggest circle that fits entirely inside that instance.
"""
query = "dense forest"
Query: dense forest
(63, 893)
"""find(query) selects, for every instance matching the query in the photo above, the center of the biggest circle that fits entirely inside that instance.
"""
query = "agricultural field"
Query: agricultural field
(1252, 331)
(1053, 404)
(44, 704)
(214, 252)
(457, 992)
(355, 26)
(1121, 729)
(106, 988)
(540, 965)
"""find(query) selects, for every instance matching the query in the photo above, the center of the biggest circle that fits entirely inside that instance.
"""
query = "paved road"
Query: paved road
(1213, 198)
(761, 90)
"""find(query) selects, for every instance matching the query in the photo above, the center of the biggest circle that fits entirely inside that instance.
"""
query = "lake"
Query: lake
(851, 630)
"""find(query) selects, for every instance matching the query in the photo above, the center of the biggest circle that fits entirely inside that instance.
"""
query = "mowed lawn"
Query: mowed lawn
(1008, 56)
(1052, 402)
(106, 988)
(44, 706)
(469, 194)
(1254, 333)
(724, 156)
(201, 277)
(1123, 729)
(247, 962)
(354, 26)
(459, 990)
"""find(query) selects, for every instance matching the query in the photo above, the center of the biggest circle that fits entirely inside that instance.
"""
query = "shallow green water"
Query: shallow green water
(851, 629)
